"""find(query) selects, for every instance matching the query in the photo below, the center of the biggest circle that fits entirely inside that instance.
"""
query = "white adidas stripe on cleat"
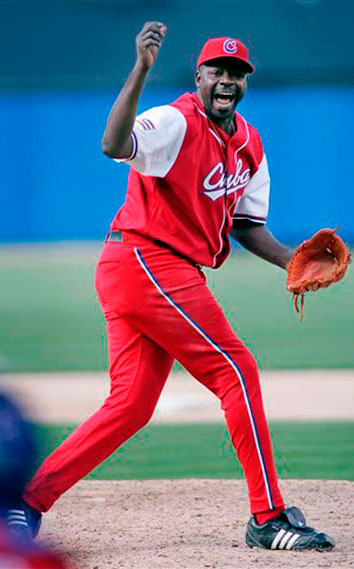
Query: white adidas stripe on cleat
(15, 517)
(285, 539)
(277, 538)
(292, 541)
(17, 523)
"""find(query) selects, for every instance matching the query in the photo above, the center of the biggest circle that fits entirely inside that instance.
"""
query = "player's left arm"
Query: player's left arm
(255, 237)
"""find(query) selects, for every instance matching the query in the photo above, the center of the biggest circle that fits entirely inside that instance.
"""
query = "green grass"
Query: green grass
(50, 319)
(311, 450)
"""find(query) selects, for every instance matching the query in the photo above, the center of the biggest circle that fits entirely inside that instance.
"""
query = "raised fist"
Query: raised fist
(149, 41)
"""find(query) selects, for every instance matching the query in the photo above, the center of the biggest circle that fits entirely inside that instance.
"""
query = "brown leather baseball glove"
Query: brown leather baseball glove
(316, 263)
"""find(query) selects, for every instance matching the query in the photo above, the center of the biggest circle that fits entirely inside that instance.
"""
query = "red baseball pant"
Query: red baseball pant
(158, 308)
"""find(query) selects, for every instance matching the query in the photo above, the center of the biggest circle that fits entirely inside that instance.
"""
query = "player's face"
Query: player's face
(221, 84)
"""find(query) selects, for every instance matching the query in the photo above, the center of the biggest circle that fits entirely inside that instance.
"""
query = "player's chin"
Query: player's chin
(223, 109)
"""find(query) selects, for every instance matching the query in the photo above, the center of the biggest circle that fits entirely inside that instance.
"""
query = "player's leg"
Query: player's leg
(197, 333)
(138, 371)
(173, 305)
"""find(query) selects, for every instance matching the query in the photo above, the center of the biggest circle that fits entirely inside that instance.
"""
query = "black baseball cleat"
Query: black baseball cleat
(287, 531)
(22, 521)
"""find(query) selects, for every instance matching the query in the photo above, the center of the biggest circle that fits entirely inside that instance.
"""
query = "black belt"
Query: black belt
(115, 236)
(118, 237)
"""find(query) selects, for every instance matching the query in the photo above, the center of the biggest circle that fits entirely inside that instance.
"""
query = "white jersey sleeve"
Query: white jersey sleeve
(254, 202)
(157, 138)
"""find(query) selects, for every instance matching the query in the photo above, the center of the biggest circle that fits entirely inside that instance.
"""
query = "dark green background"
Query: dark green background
(89, 44)
(51, 320)
(313, 450)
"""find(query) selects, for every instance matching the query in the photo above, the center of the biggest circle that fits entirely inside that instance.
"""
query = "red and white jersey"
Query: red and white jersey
(189, 180)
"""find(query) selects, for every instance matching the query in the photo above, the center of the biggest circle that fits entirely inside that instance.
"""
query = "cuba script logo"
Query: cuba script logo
(217, 181)
(230, 46)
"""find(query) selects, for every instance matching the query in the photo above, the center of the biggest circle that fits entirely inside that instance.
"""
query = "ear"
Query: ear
(197, 78)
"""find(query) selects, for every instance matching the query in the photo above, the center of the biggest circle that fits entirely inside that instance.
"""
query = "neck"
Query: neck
(228, 124)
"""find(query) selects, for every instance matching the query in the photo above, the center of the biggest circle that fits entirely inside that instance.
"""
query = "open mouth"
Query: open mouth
(224, 99)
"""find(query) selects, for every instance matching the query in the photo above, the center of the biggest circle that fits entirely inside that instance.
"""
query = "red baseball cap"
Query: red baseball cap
(225, 47)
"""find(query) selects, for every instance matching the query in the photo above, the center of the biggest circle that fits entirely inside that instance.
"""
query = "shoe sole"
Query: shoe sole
(319, 548)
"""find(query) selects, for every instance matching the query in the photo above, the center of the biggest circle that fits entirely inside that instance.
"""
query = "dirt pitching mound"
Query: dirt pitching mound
(190, 524)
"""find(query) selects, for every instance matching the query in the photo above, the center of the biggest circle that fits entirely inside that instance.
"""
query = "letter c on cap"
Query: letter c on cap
(230, 46)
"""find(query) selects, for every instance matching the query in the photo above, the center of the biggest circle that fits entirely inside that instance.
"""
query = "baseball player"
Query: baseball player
(198, 176)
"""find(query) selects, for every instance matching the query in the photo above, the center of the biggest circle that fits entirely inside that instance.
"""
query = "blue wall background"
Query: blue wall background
(56, 184)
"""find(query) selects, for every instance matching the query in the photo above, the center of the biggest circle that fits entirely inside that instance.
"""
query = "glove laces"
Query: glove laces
(299, 311)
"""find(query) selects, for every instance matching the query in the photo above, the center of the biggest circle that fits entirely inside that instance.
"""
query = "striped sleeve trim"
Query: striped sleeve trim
(254, 218)
(135, 146)
(133, 152)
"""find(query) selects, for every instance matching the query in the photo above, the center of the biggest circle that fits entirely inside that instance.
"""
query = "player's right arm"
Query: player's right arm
(117, 141)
